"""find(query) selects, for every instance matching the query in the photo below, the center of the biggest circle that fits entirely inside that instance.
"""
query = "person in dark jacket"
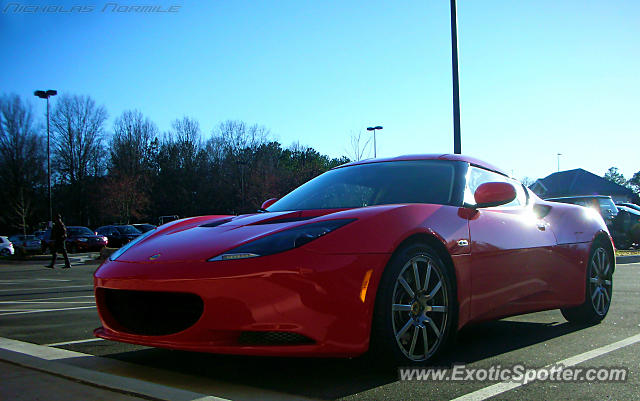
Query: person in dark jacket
(59, 235)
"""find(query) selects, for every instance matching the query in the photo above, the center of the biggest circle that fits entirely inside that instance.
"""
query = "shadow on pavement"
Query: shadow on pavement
(334, 378)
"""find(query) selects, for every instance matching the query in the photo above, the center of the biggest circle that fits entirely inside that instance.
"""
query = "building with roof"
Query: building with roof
(580, 182)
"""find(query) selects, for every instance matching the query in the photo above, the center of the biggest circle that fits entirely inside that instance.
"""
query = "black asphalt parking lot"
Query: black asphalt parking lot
(56, 308)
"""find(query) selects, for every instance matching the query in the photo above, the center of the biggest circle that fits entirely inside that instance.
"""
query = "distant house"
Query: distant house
(579, 182)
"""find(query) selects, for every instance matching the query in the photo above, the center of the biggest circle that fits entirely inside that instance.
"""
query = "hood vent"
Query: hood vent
(284, 220)
(216, 223)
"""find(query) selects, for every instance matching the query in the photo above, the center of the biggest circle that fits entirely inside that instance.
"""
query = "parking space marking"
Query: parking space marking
(46, 299)
(46, 302)
(88, 340)
(48, 359)
(502, 387)
(46, 310)
(28, 280)
(47, 288)
(52, 279)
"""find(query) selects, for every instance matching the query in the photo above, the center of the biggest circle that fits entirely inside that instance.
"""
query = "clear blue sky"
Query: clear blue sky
(537, 77)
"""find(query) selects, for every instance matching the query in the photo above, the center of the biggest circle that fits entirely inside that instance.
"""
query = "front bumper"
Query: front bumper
(318, 298)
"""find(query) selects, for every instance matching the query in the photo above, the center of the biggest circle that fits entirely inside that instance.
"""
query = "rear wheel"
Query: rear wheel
(599, 287)
(416, 313)
(5, 252)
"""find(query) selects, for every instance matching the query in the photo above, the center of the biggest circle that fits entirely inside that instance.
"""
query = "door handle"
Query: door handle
(542, 226)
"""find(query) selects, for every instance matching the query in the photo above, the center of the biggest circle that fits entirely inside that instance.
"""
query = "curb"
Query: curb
(123, 385)
(627, 259)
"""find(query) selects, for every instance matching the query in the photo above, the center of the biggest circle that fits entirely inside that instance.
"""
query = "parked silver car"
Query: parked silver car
(6, 247)
(26, 243)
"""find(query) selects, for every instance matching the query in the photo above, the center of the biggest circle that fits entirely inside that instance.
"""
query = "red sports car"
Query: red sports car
(393, 255)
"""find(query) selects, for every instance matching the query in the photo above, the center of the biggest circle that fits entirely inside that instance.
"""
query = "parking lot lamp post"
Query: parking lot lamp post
(457, 141)
(559, 154)
(377, 127)
(46, 95)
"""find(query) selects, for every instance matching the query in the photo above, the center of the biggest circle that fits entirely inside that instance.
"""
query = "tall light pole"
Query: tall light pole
(377, 127)
(559, 154)
(457, 142)
(46, 95)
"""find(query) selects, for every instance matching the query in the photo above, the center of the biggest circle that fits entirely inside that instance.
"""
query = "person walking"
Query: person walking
(59, 235)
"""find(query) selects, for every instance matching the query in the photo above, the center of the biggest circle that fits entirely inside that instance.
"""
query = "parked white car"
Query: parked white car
(6, 247)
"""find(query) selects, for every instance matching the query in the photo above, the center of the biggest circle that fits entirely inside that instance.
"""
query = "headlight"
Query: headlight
(124, 248)
(283, 240)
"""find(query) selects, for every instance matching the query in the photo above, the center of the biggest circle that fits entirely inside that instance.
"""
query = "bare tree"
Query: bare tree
(238, 136)
(22, 161)
(527, 182)
(359, 147)
(78, 126)
(131, 143)
(78, 154)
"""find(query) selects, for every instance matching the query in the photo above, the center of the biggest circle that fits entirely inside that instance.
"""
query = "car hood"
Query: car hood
(202, 238)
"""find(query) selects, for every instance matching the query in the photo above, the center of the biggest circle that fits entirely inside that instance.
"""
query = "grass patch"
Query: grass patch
(627, 252)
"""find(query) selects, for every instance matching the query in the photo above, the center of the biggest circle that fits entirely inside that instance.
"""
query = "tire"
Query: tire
(73, 249)
(598, 288)
(416, 301)
(5, 252)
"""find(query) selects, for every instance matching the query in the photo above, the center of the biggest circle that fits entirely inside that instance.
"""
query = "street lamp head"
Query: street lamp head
(370, 128)
(45, 95)
(373, 128)
(378, 127)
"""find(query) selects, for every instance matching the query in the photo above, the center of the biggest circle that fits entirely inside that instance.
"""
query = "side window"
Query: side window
(606, 205)
(477, 176)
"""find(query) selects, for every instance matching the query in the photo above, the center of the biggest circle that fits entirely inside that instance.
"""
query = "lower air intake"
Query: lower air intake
(273, 338)
(151, 313)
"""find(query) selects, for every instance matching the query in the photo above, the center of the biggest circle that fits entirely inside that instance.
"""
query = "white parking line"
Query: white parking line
(74, 342)
(46, 302)
(46, 299)
(51, 279)
(502, 387)
(47, 288)
(45, 310)
(46, 359)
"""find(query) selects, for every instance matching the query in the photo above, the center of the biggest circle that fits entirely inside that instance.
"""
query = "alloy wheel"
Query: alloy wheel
(600, 281)
(420, 308)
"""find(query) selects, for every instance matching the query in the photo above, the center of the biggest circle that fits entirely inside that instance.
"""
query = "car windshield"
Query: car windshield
(75, 231)
(127, 230)
(416, 181)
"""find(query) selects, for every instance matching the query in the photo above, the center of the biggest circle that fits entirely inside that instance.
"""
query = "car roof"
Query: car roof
(628, 209)
(579, 197)
(433, 156)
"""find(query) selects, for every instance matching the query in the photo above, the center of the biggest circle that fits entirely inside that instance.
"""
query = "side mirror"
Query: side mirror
(492, 194)
(268, 203)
